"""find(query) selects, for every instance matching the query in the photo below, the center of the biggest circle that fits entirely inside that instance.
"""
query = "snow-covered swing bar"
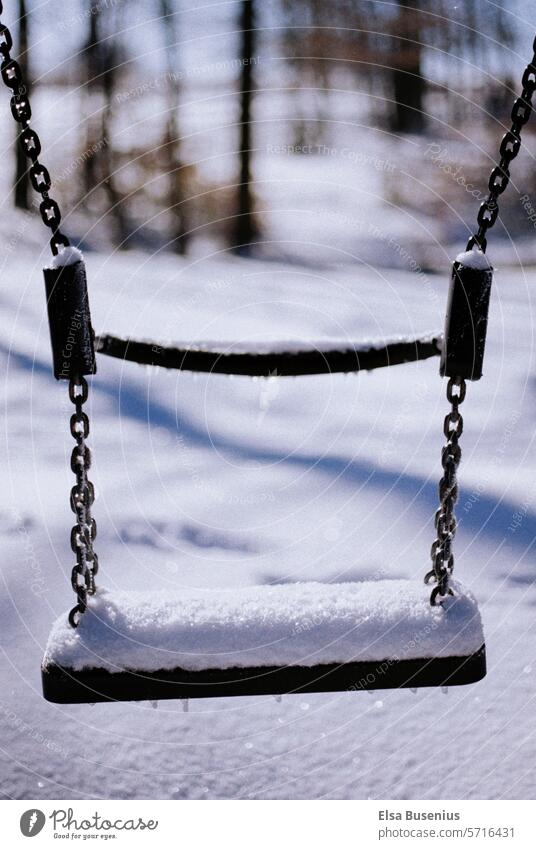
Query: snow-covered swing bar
(292, 359)
(284, 359)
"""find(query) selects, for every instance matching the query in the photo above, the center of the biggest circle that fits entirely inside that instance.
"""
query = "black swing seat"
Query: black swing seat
(272, 639)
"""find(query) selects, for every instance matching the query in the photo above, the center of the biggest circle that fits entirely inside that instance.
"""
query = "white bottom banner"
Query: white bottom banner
(269, 824)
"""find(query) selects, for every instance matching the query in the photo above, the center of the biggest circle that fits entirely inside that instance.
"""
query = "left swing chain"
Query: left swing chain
(82, 494)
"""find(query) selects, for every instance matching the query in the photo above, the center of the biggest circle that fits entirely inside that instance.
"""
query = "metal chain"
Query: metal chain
(31, 144)
(510, 147)
(445, 520)
(84, 531)
(82, 494)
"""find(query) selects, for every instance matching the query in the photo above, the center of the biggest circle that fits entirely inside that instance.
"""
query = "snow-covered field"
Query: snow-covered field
(210, 481)
(214, 482)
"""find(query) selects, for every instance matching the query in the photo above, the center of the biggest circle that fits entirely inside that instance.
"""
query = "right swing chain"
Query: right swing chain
(510, 147)
(445, 520)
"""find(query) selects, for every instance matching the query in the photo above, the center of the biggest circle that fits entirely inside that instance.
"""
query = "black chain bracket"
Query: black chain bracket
(464, 340)
(69, 318)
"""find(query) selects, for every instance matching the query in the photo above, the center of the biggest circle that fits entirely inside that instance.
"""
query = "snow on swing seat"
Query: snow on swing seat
(272, 638)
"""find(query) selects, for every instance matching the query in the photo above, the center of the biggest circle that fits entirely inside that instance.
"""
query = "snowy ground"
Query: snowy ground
(219, 482)
(209, 481)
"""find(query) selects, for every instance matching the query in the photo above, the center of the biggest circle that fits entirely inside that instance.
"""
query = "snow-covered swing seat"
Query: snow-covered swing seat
(272, 639)
(278, 639)
(305, 637)
(275, 639)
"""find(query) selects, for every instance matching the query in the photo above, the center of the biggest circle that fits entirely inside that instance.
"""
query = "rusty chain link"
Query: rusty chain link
(82, 494)
(509, 148)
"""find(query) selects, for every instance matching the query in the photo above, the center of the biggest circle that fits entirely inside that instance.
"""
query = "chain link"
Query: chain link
(510, 147)
(445, 520)
(31, 144)
(84, 531)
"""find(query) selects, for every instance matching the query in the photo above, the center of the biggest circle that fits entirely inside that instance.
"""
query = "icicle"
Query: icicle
(185, 705)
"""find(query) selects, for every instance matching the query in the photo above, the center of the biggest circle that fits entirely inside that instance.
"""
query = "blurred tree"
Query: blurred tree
(246, 230)
(103, 58)
(22, 181)
(407, 81)
(171, 146)
(422, 35)
(307, 44)
(396, 49)
(92, 85)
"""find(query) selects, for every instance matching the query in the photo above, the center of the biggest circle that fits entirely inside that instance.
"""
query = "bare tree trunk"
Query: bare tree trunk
(106, 152)
(22, 181)
(99, 161)
(245, 226)
(175, 188)
(408, 84)
(91, 83)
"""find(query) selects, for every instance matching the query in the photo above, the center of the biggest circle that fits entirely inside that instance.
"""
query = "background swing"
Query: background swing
(308, 637)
